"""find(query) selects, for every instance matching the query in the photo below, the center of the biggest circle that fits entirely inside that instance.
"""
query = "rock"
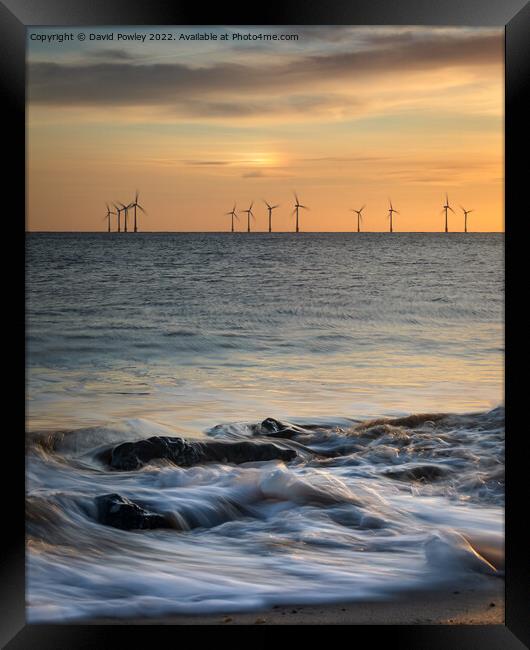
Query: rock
(409, 421)
(119, 512)
(132, 455)
(418, 473)
(277, 429)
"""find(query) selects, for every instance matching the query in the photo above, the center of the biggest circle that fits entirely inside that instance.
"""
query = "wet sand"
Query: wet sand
(484, 606)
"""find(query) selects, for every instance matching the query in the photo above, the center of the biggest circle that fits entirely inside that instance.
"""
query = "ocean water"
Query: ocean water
(206, 335)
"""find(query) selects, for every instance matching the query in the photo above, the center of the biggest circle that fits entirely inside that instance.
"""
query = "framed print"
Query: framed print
(267, 359)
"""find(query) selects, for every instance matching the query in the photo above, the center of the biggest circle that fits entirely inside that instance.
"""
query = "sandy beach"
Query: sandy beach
(484, 606)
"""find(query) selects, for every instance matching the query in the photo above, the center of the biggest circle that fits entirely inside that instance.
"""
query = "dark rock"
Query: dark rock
(418, 473)
(132, 455)
(118, 512)
(277, 429)
(409, 421)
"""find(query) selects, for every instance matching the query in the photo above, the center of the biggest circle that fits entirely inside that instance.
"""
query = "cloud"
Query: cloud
(206, 162)
(111, 54)
(235, 89)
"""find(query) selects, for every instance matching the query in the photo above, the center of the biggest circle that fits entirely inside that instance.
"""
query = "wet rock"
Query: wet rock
(132, 455)
(409, 421)
(277, 429)
(418, 473)
(119, 512)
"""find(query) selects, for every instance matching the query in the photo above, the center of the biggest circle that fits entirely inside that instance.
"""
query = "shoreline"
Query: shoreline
(452, 606)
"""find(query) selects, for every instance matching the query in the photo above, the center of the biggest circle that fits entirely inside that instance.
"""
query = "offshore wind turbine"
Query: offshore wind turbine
(135, 205)
(298, 205)
(118, 210)
(270, 208)
(466, 212)
(125, 209)
(359, 217)
(107, 216)
(249, 214)
(390, 212)
(447, 207)
(233, 213)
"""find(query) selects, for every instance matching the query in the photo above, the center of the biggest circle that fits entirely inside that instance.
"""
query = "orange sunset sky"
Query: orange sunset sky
(345, 116)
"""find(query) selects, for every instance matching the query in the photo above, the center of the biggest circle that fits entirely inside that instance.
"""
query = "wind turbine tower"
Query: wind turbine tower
(249, 214)
(135, 205)
(107, 216)
(297, 206)
(233, 214)
(390, 213)
(125, 209)
(359, 217)
(466, 212)
(118, 210)
(270, 208)
(445, 208)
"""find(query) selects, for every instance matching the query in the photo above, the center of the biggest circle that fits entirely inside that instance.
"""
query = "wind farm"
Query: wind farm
(122, 207)
(124, 225)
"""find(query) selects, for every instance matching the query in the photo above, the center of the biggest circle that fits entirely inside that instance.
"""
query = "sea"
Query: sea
(387, 350)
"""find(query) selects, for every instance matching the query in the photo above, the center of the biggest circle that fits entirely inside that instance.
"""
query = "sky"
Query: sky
(344, 116)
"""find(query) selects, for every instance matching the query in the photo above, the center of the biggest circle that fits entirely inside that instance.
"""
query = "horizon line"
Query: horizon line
(265, 232)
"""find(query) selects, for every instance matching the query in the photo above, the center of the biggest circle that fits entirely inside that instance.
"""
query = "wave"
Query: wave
(365, 509)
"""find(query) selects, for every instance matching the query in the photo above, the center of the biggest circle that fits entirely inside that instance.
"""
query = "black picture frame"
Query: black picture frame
(15, 16)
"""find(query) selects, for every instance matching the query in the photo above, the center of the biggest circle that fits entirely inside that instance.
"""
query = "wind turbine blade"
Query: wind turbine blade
(266, 203)
(296, 197)
(396, 211)
(275, 206)
(362, 208)
(450, 208)
(303, 206)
